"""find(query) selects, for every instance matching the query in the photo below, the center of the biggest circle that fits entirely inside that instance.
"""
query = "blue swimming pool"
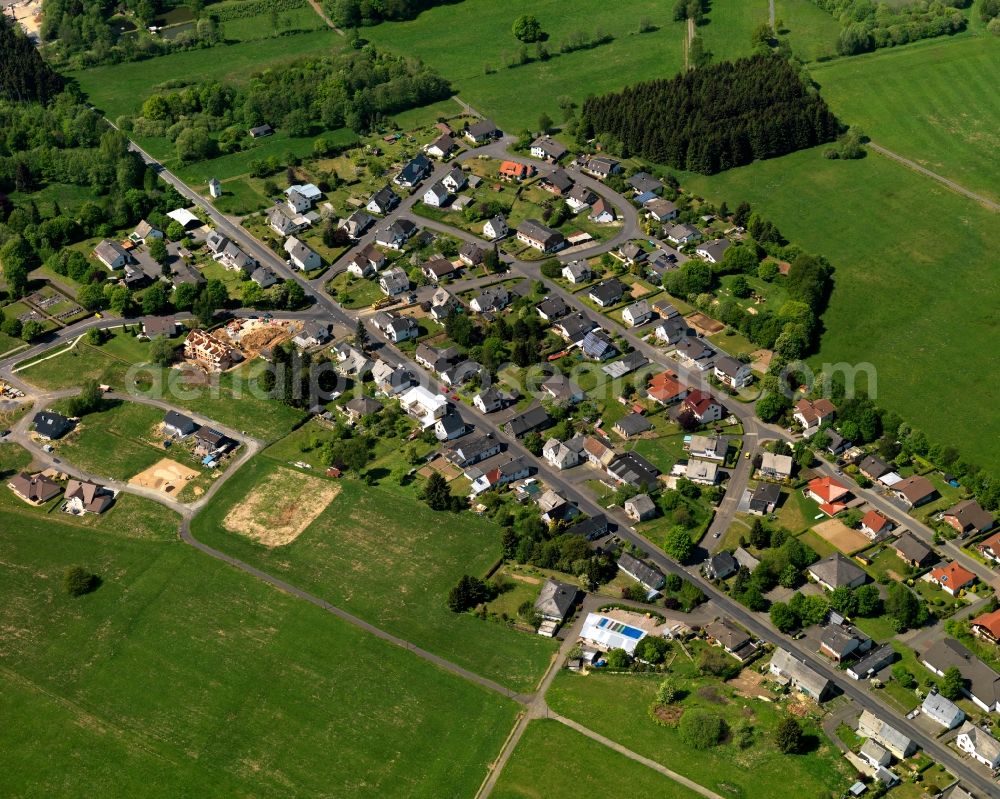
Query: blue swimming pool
(621, 629)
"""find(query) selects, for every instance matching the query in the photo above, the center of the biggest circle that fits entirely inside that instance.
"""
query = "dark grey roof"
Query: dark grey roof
(591, 528)
(52, 424)
(647, 575)
(560, 179)
(608, 292)
(180, 422)
(553, 307)
(633, 424)
(634, 469)
(532, 419)
(556, 598)
(723, 564)
(643, 182)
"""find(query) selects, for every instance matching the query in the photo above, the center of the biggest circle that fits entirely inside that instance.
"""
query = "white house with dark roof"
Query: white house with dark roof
(732, 372)
(302, 257)
(495, 228)
(979, 744)
(713, 251)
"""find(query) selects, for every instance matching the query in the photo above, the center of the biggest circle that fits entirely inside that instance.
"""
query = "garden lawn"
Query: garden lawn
(119, 89)
(935, 104)
(877, 222)
(380, 553)
(556, 762)
(461, 40)
(617, 706)
(182, 676)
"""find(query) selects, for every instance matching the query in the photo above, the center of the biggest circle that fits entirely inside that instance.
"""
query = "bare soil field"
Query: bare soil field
(704, 324)
(166, 476)
(277, 512)
(841, 536)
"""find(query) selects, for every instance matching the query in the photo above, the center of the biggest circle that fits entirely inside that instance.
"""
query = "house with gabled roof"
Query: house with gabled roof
(437, 195)
(776, 467)
(495, 228)
(35, 489)
(557, 182)
(536, 235)
(695, 353)
(455, 180)
(395, 235)
(980, 682)
(732, 638)
(647, 576)
(638, 313)
(979, 744)
(482, 131)
(952, 577)
(559, 455)
(968, 518)
(713, 251)
(871, 726)
(531, 420)
(811, 414)
(941, 710)
(112, 254)
(912, 551)
(382, 201)
(576, 272)
(357, 223)
(915, 490)
(607, 293)
(556, 600)
(661, 210)
(831, 495)
(547, 149)
(875, 525)
(787, 667)
(640, 508)
(302, 257)
(836, 571)
(413, 171)
(443, 146)
(83, 496)
(732, 372)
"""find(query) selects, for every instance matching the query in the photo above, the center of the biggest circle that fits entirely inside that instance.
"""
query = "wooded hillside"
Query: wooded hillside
(717, 117)
(24, 76)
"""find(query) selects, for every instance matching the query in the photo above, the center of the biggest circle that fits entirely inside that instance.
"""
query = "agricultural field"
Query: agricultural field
(180, 675)
(556, 762)
(728, 26)
(461, 41)
(933, 103)
(890, 254)
(617, 706)
(380, 553)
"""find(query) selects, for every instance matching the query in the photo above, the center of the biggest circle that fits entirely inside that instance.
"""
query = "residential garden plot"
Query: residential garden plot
(934, 103)
(617, 706)
(556, 762)
(840, 536)
(119, 442)
(382, 554)
(278, 511)
(182, 676)
(888, 254)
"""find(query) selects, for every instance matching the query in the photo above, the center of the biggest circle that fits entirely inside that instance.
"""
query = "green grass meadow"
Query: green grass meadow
(461, 40)
(382, 554)
(119, 89)
(553, 761)
(180, 676)
(910, 259)
(935, 103)
(617, 706)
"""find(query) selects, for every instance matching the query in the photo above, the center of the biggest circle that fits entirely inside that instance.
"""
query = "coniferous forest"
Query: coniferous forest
(716, 117)
(24, 76)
